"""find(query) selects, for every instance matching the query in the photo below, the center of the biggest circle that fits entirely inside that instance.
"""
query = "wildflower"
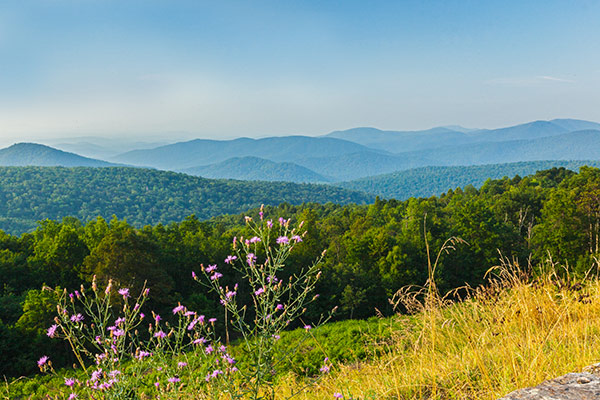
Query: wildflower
(212, 320)
(199, 341)
(174, 380)
(296, 238)
(194, 275)
(269, 224)
(307, 327)
(182, 364)
(272, 279)
(324, 369)
(69, 382)
(192, 324)
(230, 294)
(338, 395)
(281, 221)
(254, 239)
(114, 373)
(52, 331)
(157, 384)
(209, 349)
(124, 292)
(216, 275)
(142, 315)
(282, 240)
(259, 291)
(118, 332)
(77, 318)
(119, 321)
(160, 334)
(42, 361)
(178, 309)
(136, 307)
(211, 268)
(143, 354)
(230, 259)
(96, 375)
(251, 259)
(72, 396)
(276, 337)
(279, 307)
(146, 292)
(157, 318)
(216, 373)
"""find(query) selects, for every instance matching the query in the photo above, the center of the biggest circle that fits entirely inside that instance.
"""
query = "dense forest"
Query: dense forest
(372, 251)
(142, 196)
(431, 181)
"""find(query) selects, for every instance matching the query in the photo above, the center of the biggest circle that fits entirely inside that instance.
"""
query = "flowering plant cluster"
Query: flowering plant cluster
(123, 353)
(275, 302)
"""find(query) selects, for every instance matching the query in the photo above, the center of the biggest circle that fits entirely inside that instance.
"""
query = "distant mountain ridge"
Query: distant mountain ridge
(201, 152)
(25, 154)
(344, 155)
(257, 169)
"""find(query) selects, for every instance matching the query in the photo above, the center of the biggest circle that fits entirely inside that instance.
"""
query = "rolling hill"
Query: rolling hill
(254, 168)
(142, 196)
(200, 152)
(432, 181)
(24, 154)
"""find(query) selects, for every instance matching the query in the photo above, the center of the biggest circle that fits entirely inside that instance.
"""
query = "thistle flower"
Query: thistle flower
(52, 331)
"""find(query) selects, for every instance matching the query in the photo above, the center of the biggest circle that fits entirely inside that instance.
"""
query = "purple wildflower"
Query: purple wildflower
(259, 291)
(124, 292)
(212, 320)
(230, 259)
(255, 239)
(307, 327)
(181, 364)
(269, 224)
(174, 380)
(211, 268)
(76, 318)
(178, 309)
(279, 307)
(160, 334)
(69, 382)
(52, 331)
(157, 318)
(283, 240)
(119, 321)
(42, 361)
(251, 259)
(338, 395)
(296, 238)
(72, 396)
(216, 276)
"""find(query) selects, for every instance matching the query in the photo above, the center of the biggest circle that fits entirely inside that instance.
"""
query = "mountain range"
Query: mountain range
(354, 158)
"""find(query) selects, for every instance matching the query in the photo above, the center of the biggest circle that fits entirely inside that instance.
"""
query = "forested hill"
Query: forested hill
(433, 181)
(142, 196)
(24, 154)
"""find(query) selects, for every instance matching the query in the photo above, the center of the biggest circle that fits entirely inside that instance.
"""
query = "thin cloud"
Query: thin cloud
(527, 81)
(555, 79)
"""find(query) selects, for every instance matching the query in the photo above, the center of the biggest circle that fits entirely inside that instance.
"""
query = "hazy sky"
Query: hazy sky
(255, 68)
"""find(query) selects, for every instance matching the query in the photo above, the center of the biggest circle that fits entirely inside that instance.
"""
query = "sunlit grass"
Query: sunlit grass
(515, 333)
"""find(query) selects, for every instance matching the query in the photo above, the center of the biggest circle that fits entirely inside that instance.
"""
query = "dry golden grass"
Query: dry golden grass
(514, 333)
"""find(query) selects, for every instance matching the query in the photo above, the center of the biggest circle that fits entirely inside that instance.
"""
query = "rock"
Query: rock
(575, 386)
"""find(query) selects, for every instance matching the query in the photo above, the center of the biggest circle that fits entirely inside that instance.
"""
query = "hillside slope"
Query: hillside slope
(254, 168)
(24, 154)
(433, 181)
(142, 196)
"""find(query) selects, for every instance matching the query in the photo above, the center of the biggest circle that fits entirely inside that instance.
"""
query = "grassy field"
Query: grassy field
(515, 332)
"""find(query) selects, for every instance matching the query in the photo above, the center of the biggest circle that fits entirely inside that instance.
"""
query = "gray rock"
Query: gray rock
(575, 386)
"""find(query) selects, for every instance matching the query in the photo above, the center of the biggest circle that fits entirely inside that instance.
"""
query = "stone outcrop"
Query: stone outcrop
(576, 386)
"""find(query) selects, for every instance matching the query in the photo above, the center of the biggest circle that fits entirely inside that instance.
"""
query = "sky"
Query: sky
(150, 69)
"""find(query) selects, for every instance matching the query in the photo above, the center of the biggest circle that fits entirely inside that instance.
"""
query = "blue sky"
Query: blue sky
(223, 69)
